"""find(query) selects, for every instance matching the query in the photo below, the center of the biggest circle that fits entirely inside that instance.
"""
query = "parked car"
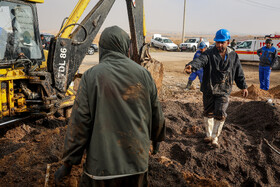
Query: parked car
(237, 43)
(191, 44)
(164, 43)
(48, 38)
(92, 49)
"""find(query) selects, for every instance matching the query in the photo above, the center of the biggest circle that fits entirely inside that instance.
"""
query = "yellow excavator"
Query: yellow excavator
(37, 82)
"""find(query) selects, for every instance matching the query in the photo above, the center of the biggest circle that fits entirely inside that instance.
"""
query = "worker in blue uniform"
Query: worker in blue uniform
(201, 48)
(268, 57)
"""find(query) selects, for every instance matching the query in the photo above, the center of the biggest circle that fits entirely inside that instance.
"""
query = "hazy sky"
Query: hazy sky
(202, 16)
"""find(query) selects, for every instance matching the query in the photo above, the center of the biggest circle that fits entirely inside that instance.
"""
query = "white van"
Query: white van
(191, 44)
(156, 36)
(247, 50)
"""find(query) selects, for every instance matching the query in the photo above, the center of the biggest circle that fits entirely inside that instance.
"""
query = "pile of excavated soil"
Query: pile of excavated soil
(256, 93)
(275, 91)
(26, 150)
(244, 158)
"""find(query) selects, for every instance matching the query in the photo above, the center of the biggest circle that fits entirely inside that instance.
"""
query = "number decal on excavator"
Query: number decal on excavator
(62, 65)
(63, 52)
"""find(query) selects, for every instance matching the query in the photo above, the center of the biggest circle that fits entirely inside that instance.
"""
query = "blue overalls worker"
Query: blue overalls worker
(268, 56)
(221, 67)
(202, 47)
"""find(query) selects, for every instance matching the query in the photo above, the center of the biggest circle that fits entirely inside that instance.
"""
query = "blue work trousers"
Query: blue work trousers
(198, 73)
(264, 76)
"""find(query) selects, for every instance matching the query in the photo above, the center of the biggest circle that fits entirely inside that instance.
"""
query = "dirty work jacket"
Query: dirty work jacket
(115, 115)
(219, 74)
(268, 56)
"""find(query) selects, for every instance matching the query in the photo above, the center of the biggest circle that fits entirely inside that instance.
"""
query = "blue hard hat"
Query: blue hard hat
(222, 35)
(202, 45)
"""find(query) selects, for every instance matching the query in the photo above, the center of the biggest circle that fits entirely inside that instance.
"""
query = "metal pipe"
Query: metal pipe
(13, 120)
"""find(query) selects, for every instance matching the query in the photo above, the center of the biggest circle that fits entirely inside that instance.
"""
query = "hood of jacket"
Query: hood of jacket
(113, 41)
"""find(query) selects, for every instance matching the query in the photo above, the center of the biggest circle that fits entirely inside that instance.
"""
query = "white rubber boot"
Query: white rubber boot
(218, 126)
(209, 123)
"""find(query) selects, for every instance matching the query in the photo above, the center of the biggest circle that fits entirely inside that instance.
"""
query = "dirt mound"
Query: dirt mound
(256, 93)
(25, 154)
(275, 91)
(244, 159)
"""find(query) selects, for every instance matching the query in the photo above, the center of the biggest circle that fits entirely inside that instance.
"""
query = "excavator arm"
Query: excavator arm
(68, 49)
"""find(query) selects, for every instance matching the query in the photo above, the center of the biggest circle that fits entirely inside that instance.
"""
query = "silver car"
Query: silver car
(164, 43)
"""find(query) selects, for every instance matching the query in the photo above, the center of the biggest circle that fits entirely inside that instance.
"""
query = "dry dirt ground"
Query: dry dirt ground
(244, 158)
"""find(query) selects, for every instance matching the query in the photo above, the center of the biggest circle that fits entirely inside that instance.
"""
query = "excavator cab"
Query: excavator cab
(26, 86)
(19, 32)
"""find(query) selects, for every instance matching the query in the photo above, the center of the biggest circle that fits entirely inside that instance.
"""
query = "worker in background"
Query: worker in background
(200, 40)
(233, 44)
(44, 42)
(268, 56)
(115, 116)
(221, 67)
(201, 48)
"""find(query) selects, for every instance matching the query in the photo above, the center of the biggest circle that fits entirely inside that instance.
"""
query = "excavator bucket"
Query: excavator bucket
(135, 9)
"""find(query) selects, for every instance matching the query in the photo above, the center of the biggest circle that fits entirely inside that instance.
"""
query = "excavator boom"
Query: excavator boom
(68, 50)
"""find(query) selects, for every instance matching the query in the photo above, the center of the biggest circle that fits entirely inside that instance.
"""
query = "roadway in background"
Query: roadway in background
(165, 57)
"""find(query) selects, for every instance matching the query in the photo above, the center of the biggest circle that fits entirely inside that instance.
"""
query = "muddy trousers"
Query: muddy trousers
(214, 116)
(215, 106)
(140, 180)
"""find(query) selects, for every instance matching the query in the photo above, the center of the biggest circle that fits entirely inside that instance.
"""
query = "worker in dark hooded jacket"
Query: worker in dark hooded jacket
(221, 66)
(115, 116)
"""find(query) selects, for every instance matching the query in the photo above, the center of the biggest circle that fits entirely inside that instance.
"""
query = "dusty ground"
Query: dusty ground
(244, 159)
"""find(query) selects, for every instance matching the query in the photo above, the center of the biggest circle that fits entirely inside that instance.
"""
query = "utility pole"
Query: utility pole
(184, 17)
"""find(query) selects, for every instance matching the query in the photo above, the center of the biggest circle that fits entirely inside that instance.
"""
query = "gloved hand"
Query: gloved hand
(63, 171)
(155, 147)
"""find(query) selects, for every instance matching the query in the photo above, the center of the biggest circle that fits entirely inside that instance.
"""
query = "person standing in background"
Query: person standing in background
(268, 57)
(233, 44)
(201, 48)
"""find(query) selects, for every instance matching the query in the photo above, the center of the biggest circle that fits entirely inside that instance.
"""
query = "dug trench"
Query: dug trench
(244, 158)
